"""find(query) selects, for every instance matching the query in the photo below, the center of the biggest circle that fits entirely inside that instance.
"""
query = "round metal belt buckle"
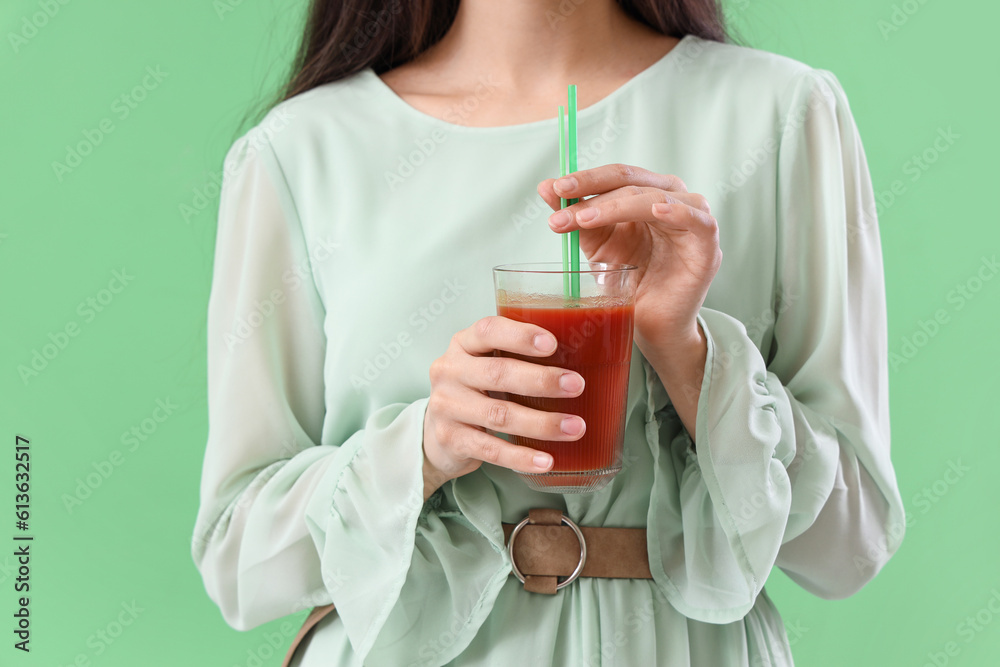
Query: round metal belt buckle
(579, 566)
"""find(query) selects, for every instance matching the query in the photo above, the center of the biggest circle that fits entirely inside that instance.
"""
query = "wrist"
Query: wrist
(434, 478)
(679, 362)
(669, 348)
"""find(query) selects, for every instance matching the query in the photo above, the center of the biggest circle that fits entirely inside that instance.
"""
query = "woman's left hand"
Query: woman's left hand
(650, 220)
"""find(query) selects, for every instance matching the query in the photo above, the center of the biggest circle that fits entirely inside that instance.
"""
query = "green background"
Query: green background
(930, 66)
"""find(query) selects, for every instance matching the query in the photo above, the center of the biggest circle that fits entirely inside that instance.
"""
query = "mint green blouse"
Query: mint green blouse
(356, 236)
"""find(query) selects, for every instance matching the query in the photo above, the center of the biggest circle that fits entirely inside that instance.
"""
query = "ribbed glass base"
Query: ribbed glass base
(571, 481)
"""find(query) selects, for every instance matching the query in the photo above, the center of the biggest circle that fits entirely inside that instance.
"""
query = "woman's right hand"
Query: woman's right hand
(460, 412)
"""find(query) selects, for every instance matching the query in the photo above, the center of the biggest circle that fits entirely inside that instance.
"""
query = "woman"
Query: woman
(352, 456)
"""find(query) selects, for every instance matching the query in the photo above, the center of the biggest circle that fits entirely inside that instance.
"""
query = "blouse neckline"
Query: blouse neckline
(585, 116)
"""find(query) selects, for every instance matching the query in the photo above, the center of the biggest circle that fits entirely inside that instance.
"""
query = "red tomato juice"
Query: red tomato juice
(596, 342)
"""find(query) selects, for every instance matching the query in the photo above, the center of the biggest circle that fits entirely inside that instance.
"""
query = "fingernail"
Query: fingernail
(545, 343)
(586, 215)
(661, 208)
(571, 426)
(542, 461)
(566, 183)
(560, 219)
(571, 383)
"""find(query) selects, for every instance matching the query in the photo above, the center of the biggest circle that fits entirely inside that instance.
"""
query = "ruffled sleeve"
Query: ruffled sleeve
(291, 518)
(792, 461)
(265, 403)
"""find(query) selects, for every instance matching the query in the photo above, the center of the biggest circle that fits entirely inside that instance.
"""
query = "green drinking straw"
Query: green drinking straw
(563, 238)
(574, 237)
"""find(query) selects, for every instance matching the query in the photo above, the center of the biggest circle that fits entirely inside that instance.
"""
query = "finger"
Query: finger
(519, 377)
(681, 217)
(695, 200)
(476, 444)
(690, 198)
(501, 333)
(628, 204)
(475, 409)
(611, 177)
(548, 194)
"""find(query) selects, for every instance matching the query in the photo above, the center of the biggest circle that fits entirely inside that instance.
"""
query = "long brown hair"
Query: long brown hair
(343, 37)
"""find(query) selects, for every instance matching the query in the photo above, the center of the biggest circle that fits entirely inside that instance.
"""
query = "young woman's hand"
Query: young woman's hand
(460, 412)
(650, 220)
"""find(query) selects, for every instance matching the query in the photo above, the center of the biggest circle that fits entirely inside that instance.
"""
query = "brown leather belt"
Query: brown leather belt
(546, 546)
(314, 617)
